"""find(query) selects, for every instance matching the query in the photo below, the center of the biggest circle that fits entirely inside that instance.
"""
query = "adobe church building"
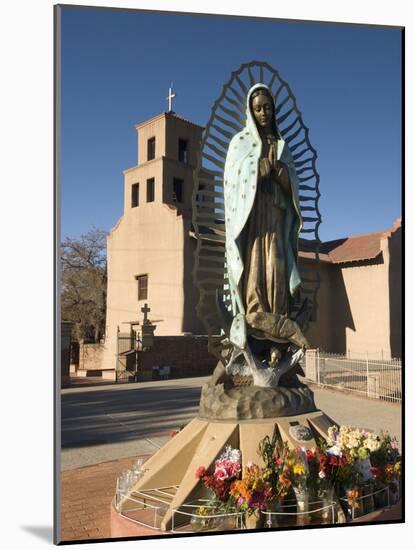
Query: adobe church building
(151, 254)
(149, 251)
(360, 296)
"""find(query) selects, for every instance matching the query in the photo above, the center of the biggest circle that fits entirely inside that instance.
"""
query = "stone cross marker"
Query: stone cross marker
(145, 310)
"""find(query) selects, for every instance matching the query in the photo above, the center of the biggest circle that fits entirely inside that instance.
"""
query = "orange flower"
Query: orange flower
(285, 480)
(238, 488)
(352, 497)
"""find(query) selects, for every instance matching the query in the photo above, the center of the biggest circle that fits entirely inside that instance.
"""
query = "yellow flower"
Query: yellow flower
(298, 469)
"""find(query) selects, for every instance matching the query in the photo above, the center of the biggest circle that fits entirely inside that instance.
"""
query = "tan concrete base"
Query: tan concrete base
(105, 374)
(121, 527)
(201, 442)
(109, 375)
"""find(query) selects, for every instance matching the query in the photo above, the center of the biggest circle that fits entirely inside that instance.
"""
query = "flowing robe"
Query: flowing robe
(261, 231)
(264, 281)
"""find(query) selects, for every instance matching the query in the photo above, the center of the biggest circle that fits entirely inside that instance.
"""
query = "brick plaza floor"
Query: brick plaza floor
(86, 499)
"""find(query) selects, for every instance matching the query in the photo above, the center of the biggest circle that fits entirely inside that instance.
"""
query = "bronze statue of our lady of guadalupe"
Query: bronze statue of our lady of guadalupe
(263, 221)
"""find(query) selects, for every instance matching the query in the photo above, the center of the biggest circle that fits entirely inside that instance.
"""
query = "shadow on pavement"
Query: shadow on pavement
(94, 418)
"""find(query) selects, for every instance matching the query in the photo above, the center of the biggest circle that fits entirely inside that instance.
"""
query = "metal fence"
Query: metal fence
(379, 379)
(126, 356)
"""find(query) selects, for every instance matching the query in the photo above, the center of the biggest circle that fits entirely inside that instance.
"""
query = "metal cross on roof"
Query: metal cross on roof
(171, 96)
(145, 310)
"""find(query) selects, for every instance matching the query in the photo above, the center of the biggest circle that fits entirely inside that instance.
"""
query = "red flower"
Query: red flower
(333, 461)
(210, 481)
(222, 492)
(310, 455)
(322, 457)
(200, 472)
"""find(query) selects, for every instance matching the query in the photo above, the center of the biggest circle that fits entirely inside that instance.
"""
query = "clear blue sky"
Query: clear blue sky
(117, 66)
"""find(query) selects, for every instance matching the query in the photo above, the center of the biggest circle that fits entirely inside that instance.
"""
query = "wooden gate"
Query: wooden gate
(126, 366)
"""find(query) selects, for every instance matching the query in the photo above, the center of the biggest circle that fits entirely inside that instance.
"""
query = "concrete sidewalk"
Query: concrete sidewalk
(104, 423)
(95, 454)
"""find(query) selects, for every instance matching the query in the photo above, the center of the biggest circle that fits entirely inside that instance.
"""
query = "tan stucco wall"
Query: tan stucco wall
(140, 174)
(353, 309)
(367, 288)
(153, 128)
(140, 246)
(319, 332)
(359, 305)
(91, 356)
(176, 129)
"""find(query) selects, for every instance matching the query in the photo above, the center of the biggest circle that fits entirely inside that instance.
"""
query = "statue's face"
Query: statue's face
(263, 109)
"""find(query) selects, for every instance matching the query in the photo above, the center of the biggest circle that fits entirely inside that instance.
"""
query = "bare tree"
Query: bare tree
(84, 283)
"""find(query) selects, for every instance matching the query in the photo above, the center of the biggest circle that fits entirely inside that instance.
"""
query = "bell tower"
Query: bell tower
(151, 250)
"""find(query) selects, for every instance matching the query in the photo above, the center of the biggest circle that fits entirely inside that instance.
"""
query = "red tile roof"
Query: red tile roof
(350, 249)
(360, 247)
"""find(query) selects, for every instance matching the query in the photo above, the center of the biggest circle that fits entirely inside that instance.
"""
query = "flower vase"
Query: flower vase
(368, 504)
(393, 487)
(274, 518)
(354, 503)
(328, 508)
(363, 466)
(301, 495)
(199, 523)
(380, 497)
(253, 520)
(226, 522)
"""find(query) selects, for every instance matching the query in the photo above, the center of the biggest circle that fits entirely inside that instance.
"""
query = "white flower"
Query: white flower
(335, 450)
(321, 474)
(233, 455)
(372, 445)
(353, 443)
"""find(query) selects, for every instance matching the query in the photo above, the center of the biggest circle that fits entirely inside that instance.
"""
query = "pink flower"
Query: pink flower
(220, 473)
(226, 469)
(321, 474)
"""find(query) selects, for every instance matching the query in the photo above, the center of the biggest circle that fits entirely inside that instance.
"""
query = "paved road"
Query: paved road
(103, 423)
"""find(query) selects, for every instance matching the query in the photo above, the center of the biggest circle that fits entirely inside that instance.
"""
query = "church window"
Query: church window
(151, 148)
(150, 190)
(183, 151)
(142, 282)
(177, 190)
(134, 195)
